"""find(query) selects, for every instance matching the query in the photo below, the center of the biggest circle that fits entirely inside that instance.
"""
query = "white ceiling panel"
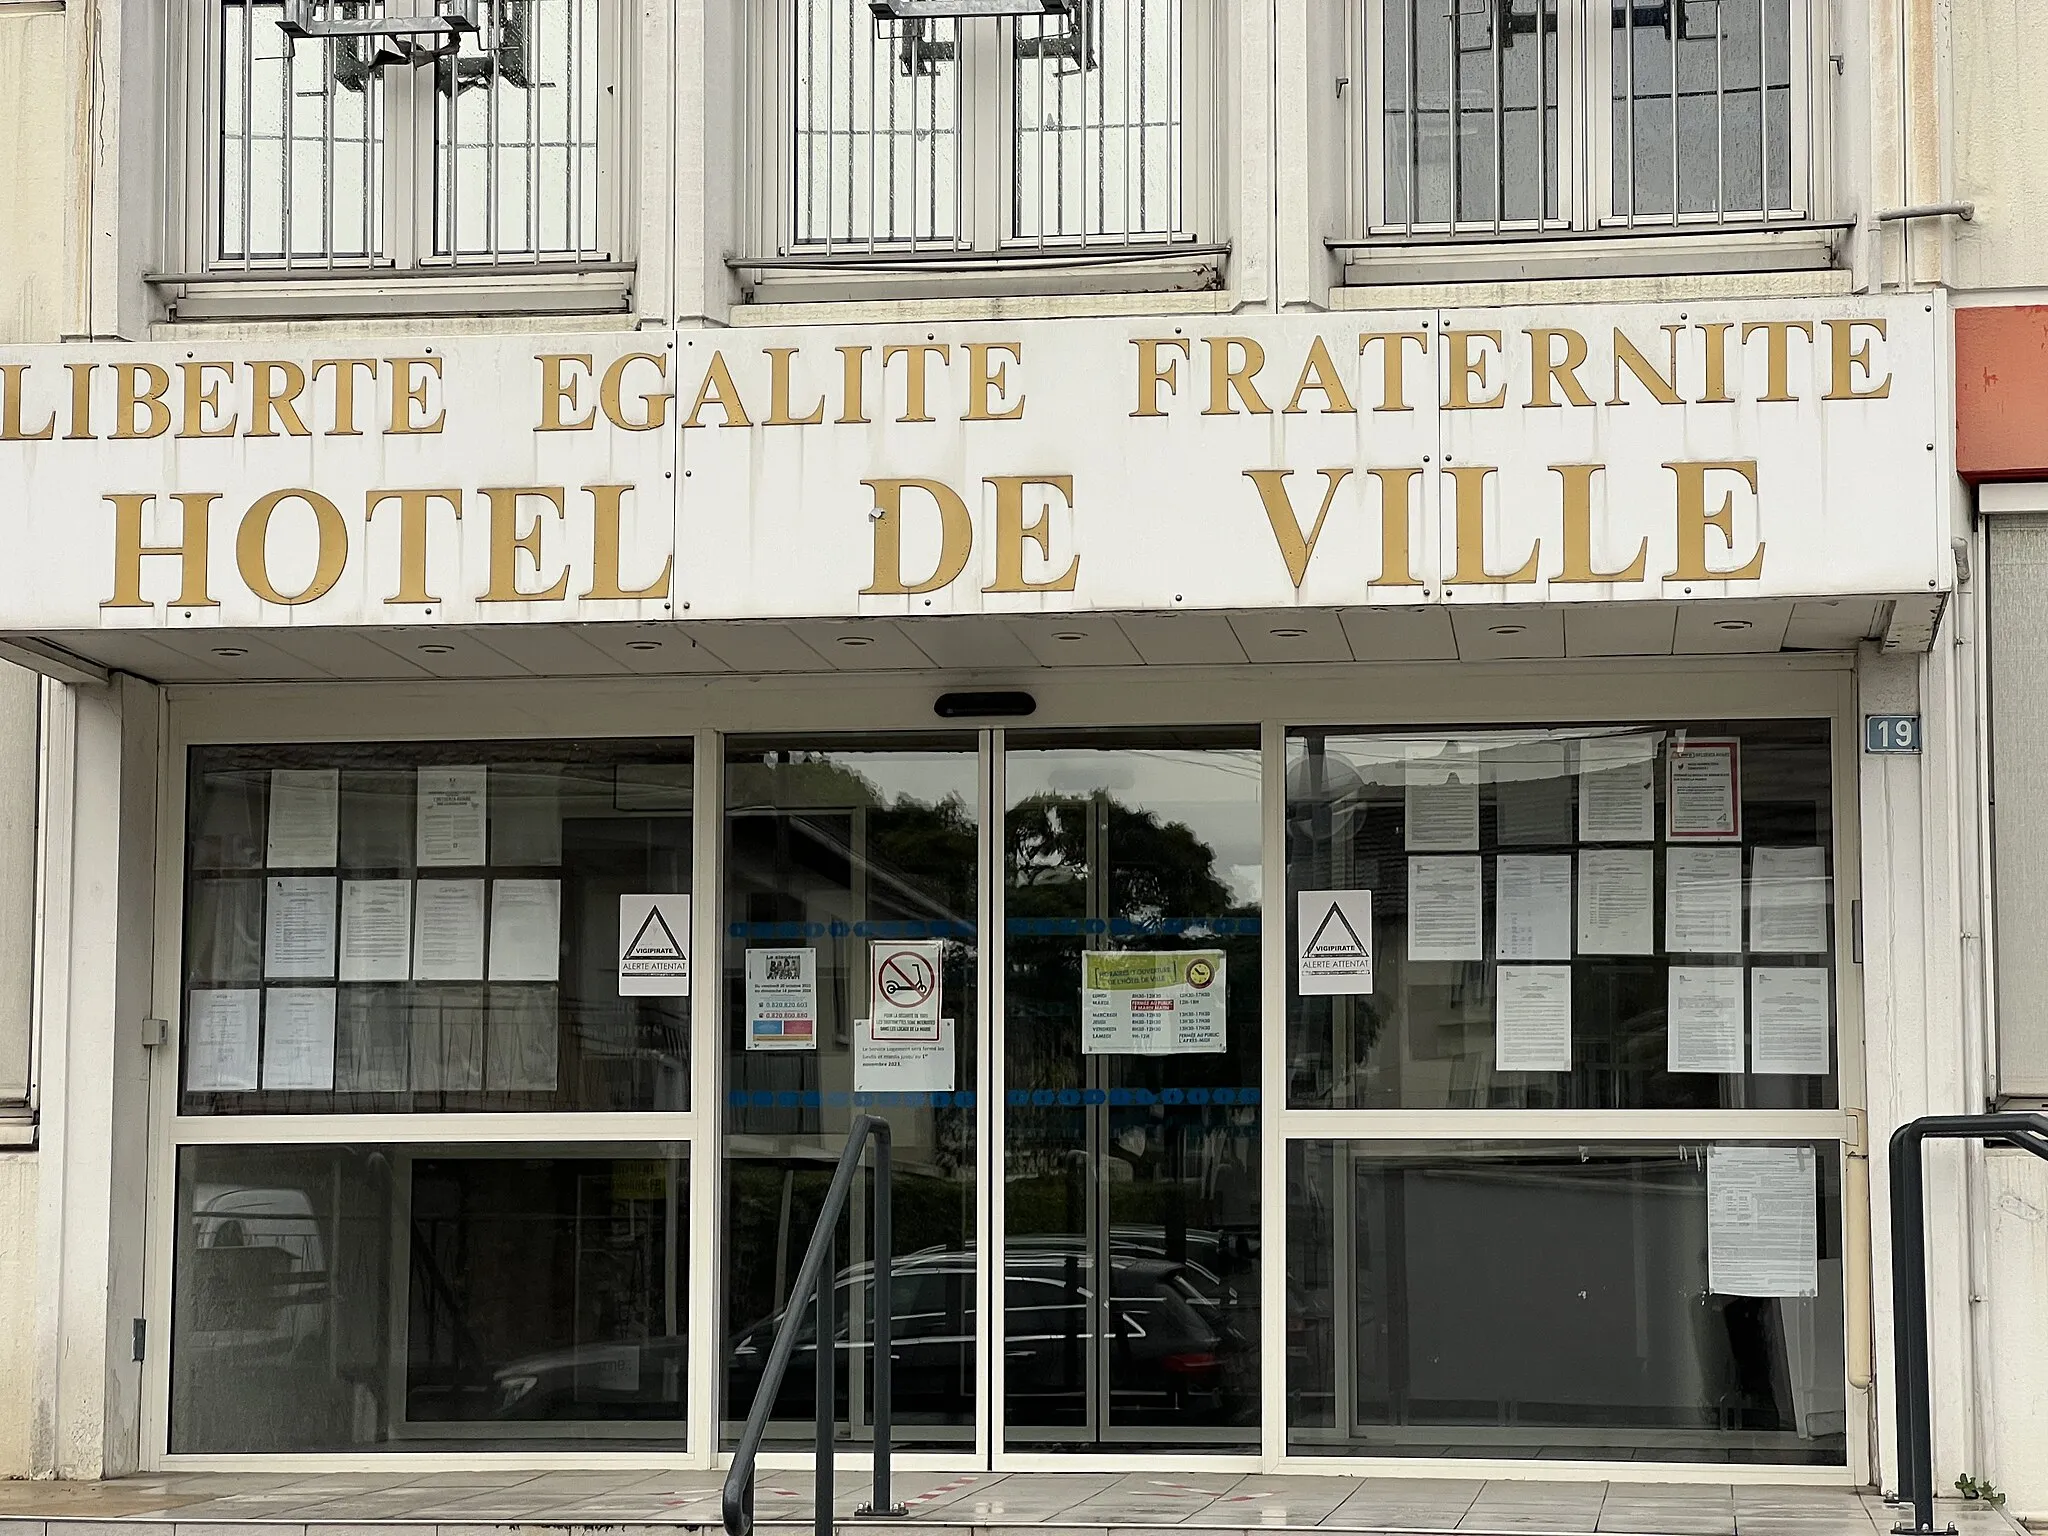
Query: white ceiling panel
(1088, 640)
(862, 645)
(1730, 629)
(450, 652)
(970, 644)
(545, 650)
(661, 649)
(759, 647)
(207, 656)
(1619, 629)
(142, 653)
(1284, 635)
(1183, 639)
(1495, 633)
(1400, 634)
(1830, 624)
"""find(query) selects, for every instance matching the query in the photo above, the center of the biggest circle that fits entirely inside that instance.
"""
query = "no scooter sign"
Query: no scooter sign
(903, 998)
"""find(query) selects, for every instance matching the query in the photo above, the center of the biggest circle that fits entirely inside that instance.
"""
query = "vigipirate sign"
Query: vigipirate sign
(1594, 453)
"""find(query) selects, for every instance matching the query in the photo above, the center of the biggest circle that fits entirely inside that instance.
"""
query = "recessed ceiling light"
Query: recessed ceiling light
(1287, 632)
(437, 650)
(229, 651)
(1506, 629)
(1733, 626)
(643, 645)
(856, 641)
(1069, 635)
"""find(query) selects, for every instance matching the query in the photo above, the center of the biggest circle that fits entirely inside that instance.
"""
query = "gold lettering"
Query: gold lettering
(718, 389)
(1397, 498)
(269, 404)
(10, 408)
(1694, 519)
(1013, 533)
(1663, 388)
(414, 507)
(202, 399)
(129, 394)
(956, 530)
(81, 402)
(558, 391)
(1470, 481)
(1546, 370)
(914, 353)
(190, 550)
(852, 388)
(1294, 548)
(345, 390)
(653, 403)
(1777, 353)
(778, 393)
(1716, 334)
(409, 394)
(1320, 372)
(1578, 530)
(1151, 374)
(1846, 356)
(1226, 377)
(1467, 370)
(981, 380)
(508, 543)
(252, 548)
(1393, 365)
(604, 541)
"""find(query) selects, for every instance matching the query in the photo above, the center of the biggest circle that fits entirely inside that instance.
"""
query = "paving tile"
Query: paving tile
(1270, 1500)
(204, 1528)
(19, 1525)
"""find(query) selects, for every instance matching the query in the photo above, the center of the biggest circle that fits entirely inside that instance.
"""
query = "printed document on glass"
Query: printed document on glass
(450, 817)
(1788, 901)
(1533, 1018)
(1532, 906)
(1703, 1019)
(886, 1064)
(1763, 1221)
(298, 1038)
(298, 927)
(1441, 807)
(1703, 901)
(376, 930)
(305, 818)
(1152, 1002)
(448, 931)
(526, 930)
(1333, 943)
(782, 999)
(1788, 1019)
(1446, 909)
(221, 1034)
(1616, 896)
(1618, 789)
(1703, 790)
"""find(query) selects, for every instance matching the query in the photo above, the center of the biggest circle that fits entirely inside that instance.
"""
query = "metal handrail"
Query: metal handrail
(819, 1277)
(2025, 1130)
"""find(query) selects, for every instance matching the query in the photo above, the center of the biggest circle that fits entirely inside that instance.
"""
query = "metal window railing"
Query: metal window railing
(339, 152)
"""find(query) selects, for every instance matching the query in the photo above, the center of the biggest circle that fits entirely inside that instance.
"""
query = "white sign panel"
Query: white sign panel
(654, 946)
(905, 988)
(1152, 1002)
(1579, 453)
(1333, 943)
(885, 1065)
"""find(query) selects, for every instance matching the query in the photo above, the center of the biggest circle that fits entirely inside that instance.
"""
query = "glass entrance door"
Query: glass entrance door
(1128, 1032)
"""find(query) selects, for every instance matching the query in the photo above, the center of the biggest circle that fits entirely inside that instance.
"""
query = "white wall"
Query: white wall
(18, 1172)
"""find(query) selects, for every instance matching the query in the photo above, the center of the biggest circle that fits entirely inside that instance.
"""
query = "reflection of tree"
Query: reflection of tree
(1156, 869)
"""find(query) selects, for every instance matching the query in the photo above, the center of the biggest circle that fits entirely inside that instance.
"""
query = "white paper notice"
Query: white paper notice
(889, 1065)
(1703, 790)
(904, 988)
(1446, 909)
(1618, 789)
(526, 930)
(1533, 1018)
(1152, 1003)
(1763, 1221)
(1616, 895)
(298, 1038)
(376, 930)
(1333, 943)
(298, 927)
(654, 945)
(1788, 1019)
(305, 818)
(1703, 901)
(449, 829)
(1532, 906)
(1788, 901)
(782, 999)
(1442, 808)
(448, 931)
(1703, 1019)
(221, 1032)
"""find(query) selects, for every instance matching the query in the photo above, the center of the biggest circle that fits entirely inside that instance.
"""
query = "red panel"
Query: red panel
(2002, 393)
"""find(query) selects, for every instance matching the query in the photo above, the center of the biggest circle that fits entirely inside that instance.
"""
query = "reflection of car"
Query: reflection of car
(257, 1282)
(597, 1381)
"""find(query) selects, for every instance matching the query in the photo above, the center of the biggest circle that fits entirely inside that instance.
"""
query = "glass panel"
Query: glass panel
(1096, 104)
(839, 855)
(374, 929)
(1131, 1118)
(332, 1298)
(1702, 94)
(1526, 890)
(1543, 1300)
(876, 132)
(1468, 105)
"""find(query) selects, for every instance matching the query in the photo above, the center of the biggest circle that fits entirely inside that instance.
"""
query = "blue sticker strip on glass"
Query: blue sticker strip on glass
(1021, 927)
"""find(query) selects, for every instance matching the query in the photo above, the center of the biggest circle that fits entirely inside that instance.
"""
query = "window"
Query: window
(1076, 130)
(484, 148)
(1525, 116)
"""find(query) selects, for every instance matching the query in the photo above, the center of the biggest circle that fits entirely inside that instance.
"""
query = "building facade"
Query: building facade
(1336, 652)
